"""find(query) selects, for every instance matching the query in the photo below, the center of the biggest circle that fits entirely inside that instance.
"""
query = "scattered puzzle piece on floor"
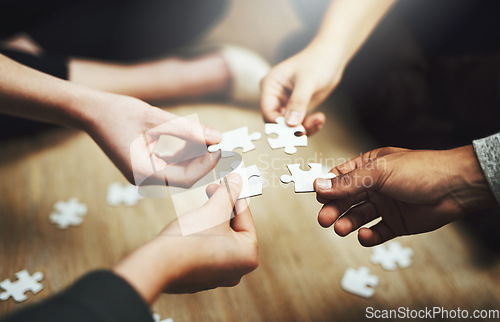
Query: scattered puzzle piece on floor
(359, 282)
(25, 282)
(156, 318)
(286, 135)
(391, 254)
(68, 213)
(252, 182)
(238, 138)
(123, 194)
(304, 180)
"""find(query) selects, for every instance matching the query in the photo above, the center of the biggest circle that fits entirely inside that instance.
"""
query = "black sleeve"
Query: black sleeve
(100, 296)
(50, 64)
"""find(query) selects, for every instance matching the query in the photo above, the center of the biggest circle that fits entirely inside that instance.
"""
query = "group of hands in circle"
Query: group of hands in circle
(410, 191)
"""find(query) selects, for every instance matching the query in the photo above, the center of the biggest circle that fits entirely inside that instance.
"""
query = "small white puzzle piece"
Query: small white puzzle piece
(304, 180)
(25, 282)
(127, 194)
(392, 254)
(286, 136)
(68, 213)
(238, 138)
(156, 318)
(359, 282)
(252, 182)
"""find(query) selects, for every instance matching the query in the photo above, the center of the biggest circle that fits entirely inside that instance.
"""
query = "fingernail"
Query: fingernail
(212, 135)
(294, 117)
(324, 184)
(234, 178)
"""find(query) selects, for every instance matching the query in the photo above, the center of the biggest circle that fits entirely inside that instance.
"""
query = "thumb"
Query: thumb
(359, 180)
(297, 104)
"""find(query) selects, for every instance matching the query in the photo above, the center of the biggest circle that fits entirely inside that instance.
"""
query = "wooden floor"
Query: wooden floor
(301, 263)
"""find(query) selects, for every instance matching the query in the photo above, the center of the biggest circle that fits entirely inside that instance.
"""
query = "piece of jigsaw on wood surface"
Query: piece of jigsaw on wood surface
(359, 281)
(156, 318)
(304, 180)
(391, 254)
(252, 182)
(68, 213)
(127, 194)
(286, 135)
(238, 138)
(25, 282)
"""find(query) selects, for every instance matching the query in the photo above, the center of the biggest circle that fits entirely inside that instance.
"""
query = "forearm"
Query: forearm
(346, 26)
(27, 93)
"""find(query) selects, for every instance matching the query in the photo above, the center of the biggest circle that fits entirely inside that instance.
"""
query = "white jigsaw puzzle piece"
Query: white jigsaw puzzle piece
(68, 213)
(286, 136)
(304, 180)
(252, 182)
(25, 282)
(391, 254)
(127, 194)
(238, 138)
(156, 318)
(359, 282)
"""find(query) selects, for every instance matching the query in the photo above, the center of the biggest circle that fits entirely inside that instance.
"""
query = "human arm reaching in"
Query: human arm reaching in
(113, 121)
(299, 84)
(410, 191)
(216, 257)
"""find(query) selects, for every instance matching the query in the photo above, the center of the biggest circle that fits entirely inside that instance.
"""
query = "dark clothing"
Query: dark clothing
(100, 296)
(112, 30)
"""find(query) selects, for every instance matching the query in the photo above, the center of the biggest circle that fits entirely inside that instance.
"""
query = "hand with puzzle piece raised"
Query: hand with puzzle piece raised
(411, 191)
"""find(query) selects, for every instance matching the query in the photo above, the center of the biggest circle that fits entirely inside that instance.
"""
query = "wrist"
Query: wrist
(473, 192)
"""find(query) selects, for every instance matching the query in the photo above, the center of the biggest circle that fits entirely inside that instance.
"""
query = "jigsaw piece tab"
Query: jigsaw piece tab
(286, 135)
(359, 282)
(392, 254)
(304, 180)
(25, 282)
(238, 138)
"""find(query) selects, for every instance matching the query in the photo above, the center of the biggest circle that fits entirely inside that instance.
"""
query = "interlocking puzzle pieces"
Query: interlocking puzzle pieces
(68, 213)
(391, 255)
(252, 181)
(359, 282)
(25, 282)
(286, 135)
(156, 318)
(122, 194)
(304, 180)
(238, 138)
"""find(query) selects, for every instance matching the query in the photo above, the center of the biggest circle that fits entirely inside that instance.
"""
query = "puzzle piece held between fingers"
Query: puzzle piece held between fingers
(25, 282)
(286, 136)
(359, 282)
(391, 254)
(68, 213)
(304, 180)
(127, 194)
(238, 138)
(252, 182)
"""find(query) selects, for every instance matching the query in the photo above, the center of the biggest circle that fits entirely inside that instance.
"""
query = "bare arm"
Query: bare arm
(299, 84)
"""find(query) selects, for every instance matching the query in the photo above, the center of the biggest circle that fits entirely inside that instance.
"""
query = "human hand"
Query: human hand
(218, 256)
(298, 85)
(412, 191)
(128, 130)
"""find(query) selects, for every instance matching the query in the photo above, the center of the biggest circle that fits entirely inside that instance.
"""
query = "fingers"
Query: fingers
(349, 184)
(222, 200)
(332, 210)
(243, 220)
(375, 235)
(314, 123)
(188, 129)
(273, 95)
(355, 218)
(298, 103)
